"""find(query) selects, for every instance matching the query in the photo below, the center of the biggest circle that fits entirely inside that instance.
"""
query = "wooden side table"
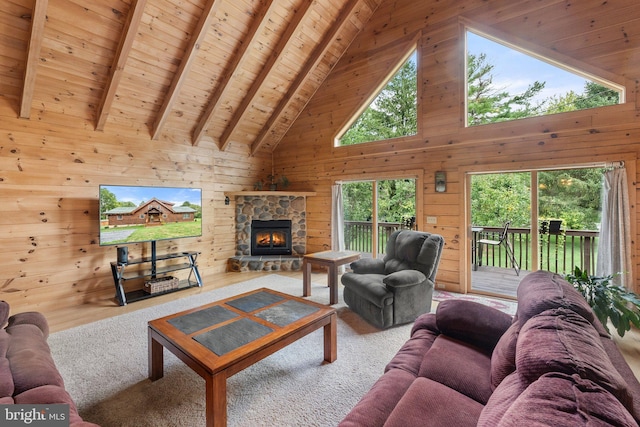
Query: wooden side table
(330, 259)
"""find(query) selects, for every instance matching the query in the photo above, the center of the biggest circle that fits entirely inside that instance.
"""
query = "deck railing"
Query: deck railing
(559, 252)
(357, 235)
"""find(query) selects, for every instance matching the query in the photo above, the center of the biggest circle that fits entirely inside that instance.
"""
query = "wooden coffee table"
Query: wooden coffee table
(330, 259)
(220, 339)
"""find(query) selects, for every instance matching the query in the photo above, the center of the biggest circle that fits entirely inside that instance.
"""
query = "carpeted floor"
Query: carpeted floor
(104, 365)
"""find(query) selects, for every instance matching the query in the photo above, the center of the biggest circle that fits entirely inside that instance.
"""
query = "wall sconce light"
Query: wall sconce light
(441, 182)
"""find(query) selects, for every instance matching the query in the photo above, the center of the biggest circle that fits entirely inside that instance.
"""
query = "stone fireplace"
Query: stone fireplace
(259, 208)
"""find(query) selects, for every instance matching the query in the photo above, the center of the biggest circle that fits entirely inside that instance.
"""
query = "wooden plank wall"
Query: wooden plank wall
(49, 177)
(308, 157)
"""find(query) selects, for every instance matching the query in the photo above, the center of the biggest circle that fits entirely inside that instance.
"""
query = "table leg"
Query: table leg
(333, 284)
(216, 395)
(306, 278)
(156, 357)
(330, 339)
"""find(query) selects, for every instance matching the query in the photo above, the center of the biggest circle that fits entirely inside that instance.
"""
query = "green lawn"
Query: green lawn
(159, 232)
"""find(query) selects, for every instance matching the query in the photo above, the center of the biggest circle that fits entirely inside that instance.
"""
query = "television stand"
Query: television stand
(148, 269)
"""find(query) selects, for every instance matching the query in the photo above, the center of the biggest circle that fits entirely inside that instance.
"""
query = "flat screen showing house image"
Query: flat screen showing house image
(133, 214)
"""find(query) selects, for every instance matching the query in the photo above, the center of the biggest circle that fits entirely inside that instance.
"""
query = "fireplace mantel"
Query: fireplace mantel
(270, 193)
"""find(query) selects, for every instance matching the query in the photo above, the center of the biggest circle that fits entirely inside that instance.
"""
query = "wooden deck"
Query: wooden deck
(496, 281)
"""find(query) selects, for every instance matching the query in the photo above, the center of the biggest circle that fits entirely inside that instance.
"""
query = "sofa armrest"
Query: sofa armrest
(30, 318)
(403, 279)
(472, 322)
(368, 266)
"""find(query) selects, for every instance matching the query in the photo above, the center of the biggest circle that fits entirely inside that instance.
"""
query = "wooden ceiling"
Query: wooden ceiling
(242, 71)
(230, 70)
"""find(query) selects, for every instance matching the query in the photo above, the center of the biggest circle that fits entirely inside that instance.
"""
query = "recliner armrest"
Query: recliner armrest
(404, 278)
(368, 266)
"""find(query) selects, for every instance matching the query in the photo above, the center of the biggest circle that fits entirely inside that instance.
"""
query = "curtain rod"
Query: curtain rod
(615, 165)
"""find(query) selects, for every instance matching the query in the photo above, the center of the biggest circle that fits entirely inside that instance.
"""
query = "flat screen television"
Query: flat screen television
(134, 214)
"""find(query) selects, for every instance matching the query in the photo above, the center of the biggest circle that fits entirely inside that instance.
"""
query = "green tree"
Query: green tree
(500, 197)
(488, 104)
(572, 195)
(108, 201)
(197, 208)
(396, 200)
(594, 95)
(357, 201)
(392, 114)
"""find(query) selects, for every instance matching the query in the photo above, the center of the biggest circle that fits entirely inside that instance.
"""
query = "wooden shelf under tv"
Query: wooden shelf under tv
(121, 274)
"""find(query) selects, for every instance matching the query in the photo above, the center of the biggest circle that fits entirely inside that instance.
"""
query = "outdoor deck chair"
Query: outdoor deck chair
(504, 241)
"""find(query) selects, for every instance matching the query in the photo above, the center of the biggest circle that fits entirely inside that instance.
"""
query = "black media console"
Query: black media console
(148, 268)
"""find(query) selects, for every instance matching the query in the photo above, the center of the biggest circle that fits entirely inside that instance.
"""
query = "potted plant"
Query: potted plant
(609, 301)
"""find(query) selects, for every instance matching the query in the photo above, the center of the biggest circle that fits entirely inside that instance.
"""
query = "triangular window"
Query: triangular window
(507, 84)
(392, 113)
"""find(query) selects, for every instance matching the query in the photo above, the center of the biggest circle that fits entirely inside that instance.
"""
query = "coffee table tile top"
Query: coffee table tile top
(229, 337)
(192, 322)
(240, 331)
(287, 312)
(254, 302)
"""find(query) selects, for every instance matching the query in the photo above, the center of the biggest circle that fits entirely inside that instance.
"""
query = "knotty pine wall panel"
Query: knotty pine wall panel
(49, 178)
(576, 138)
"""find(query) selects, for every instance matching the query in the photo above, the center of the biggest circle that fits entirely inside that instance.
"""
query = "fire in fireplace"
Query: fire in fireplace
(271, 237)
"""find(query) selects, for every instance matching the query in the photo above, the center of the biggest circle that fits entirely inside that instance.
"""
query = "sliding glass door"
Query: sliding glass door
(373, 209)
(554, 219)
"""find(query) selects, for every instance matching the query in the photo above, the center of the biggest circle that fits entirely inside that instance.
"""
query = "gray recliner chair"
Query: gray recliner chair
(399, 287)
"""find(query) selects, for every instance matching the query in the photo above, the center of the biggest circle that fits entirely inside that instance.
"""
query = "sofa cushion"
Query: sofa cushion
(410, 355)
(560, 340)
(459, 365)
(4, 313)
(428, 403)
(503, 358)
(543, 290)
(502, 398)
(6, 379)
(376, 406)
(564, 400)
(472, 322)
(30, 358)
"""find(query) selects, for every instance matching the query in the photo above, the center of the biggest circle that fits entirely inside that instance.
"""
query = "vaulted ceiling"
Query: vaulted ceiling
(230, 70)
(242, 71)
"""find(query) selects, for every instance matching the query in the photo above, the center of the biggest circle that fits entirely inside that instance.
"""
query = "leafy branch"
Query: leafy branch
(609, 301)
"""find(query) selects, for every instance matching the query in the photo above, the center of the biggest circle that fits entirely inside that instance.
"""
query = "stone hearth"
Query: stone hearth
(269, 205)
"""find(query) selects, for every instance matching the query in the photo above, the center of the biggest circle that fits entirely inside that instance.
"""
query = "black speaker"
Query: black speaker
(123, 255)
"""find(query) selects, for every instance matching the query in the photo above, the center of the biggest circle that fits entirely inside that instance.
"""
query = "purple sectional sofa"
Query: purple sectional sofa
(28, 374)
(467, 364)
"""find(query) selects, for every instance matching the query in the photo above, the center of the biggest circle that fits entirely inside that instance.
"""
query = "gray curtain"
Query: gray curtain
(614, 247)
(337, 219)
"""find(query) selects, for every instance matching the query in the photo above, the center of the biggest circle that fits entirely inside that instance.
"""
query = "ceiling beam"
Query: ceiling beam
(303, 75)
(264, 73)
(179, 79)
(38, 19)
(235, 64)
(117, 67)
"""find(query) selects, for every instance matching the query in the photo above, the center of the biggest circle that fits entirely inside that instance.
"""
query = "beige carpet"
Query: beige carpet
(104, 365)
